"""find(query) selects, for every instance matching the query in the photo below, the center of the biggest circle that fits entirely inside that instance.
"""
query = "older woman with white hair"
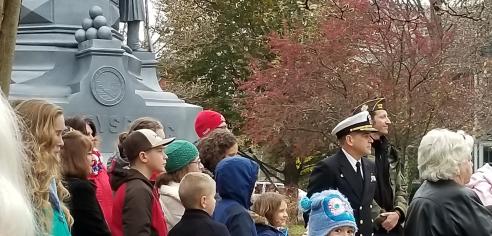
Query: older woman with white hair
(442, 206)
(14, 196)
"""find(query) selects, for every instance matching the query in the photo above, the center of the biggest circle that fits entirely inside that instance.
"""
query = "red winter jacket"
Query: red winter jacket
(136, 207)
(104, 194)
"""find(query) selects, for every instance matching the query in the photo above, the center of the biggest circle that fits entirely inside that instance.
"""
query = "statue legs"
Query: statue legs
(133, 33)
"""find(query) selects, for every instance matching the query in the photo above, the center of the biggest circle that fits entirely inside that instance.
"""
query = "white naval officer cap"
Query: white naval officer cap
(358, 122)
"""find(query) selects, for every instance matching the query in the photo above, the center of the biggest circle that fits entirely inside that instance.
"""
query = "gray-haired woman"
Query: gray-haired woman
(442, 206)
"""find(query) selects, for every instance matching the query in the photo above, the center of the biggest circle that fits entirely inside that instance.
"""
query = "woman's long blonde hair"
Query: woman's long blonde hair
(39, 117)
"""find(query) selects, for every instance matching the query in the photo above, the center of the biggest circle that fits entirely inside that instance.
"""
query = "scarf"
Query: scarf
(384, 192)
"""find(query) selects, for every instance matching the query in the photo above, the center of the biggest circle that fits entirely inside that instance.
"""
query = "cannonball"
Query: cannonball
(95, 11)
(86, 23)
(100, 21)
(91, 33)
(80, 35)
(104, 33)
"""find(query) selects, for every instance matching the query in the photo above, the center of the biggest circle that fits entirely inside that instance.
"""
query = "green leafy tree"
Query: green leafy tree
(211, 43)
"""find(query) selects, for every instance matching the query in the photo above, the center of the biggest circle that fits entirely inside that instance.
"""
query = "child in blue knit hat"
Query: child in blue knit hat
(331, 214)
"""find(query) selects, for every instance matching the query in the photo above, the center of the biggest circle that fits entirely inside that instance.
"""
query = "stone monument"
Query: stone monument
(69, 52)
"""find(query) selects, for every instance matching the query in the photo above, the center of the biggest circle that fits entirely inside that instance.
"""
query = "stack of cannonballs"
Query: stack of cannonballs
(94, 27)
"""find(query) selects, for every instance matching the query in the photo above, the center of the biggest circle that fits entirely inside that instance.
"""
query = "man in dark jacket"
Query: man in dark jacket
(197, 194)
(235, 177)
(391, 192)
(348, 172)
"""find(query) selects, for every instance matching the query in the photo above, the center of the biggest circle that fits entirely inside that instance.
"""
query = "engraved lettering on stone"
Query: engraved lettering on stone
(115, 124)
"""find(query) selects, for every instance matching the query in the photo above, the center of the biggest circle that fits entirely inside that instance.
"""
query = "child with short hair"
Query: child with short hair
(136, 208)
(270, 214)
(331, 214)
(197, 194)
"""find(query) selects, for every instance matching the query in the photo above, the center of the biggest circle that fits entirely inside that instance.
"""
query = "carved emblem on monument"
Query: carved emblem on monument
(108, 86)
(86, 68)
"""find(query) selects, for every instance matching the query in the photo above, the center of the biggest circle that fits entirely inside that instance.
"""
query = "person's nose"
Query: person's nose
(60, 141)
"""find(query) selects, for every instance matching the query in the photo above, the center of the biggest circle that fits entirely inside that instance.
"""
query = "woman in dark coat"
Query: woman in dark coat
(442, 206)
(84, 207)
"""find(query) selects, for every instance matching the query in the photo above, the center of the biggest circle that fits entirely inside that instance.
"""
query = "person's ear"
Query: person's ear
(349, 139)
(143, 157)
(203, 202)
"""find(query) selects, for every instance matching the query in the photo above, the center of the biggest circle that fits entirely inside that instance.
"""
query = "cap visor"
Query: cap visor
(168, 141)
(365, 129)
(164, 142)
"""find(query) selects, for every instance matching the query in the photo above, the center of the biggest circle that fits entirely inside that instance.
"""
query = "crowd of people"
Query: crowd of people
(368, 171)
(54, 179)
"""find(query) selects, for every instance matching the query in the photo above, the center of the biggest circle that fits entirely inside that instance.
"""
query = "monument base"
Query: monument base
(101, 81)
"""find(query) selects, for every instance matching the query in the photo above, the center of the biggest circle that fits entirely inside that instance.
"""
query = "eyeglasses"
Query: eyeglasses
(197, 161)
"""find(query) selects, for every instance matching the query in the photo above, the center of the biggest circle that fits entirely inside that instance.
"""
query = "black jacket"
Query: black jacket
(335, 172)
(198, 223)
(87, 215)
(444, 208)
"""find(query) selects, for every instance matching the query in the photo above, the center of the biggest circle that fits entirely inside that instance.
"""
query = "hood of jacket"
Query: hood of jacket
(258, 219)
(170, 190)
(117, 170)
(235, 178)
(131, 174)
(482, 175)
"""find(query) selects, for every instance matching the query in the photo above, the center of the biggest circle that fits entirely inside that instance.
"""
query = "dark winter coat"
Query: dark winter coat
(85, 209)
(202, 225)
(336, 172)
(444, 208)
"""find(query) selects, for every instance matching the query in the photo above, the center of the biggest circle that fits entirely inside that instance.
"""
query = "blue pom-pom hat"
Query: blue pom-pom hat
(329, 210)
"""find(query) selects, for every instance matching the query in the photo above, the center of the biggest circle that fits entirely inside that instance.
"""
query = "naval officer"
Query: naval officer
(347, 170)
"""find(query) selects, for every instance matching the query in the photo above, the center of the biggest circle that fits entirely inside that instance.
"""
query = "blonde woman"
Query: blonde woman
(14, 198)
(43, 138)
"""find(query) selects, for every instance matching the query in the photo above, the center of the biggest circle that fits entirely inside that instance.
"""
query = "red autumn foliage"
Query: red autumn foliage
(363, 50)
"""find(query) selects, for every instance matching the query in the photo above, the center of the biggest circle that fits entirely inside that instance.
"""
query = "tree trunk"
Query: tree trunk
(291, 173)
(9, 20)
